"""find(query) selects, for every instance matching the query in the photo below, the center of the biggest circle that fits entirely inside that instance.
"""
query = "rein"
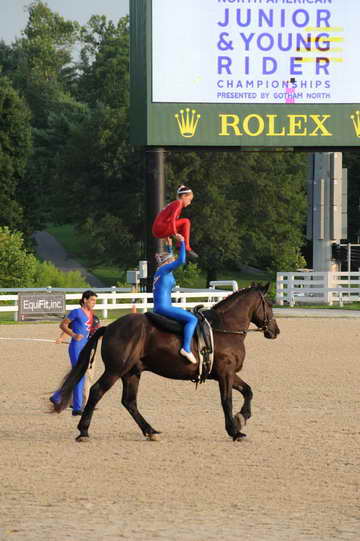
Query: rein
(264, 327)
(225, 331)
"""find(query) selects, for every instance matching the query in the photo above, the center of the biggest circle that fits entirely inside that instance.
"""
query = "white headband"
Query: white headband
(181, 190)
(161, 258)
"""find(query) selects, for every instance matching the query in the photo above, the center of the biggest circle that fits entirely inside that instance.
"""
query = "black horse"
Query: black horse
(133, 344)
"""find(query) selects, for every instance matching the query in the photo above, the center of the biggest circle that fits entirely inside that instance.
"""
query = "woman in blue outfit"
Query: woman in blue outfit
(164, 282)
(78, 324)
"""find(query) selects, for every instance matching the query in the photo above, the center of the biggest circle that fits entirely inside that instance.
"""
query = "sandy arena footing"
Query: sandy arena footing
(295, 477)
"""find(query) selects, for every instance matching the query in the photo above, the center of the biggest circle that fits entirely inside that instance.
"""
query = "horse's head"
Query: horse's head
(252, 306)
(263, 316)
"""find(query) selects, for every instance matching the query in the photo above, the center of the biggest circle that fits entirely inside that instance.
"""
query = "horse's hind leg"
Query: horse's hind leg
(97, 391)
(247, 393)
(129, 401)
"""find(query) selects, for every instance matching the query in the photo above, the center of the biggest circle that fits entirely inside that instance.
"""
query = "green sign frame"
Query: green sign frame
(245, 125)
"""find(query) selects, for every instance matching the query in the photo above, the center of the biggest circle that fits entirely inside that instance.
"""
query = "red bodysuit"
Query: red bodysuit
(167, 223)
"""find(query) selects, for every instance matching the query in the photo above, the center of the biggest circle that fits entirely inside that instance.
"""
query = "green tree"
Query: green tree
(216, 234)
(189, 275)
(15, 148)
(17, 266)
(42, 77)
(101, 178)
(110, 241)
(45, 56)
(273, 211)
(8, 59)
(351, 160)
(249, 208)
(46, 274)
(105, 62)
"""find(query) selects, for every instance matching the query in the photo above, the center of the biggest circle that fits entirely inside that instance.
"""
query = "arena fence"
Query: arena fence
(115, 298)
(311, 287)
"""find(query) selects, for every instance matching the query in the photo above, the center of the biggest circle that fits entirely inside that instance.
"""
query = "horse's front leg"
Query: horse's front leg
(103, 384)
(226, 382)
(247, 393)
(129, 401)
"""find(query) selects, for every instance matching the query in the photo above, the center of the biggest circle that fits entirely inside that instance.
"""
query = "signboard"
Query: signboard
(41, 306)
(249, 73)
(255, 52)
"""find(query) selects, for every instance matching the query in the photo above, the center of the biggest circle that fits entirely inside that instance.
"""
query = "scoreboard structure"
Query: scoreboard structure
(254, 74)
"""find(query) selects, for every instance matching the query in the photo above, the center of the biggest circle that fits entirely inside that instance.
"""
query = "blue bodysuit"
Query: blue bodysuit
(80, 324)
(164, 282)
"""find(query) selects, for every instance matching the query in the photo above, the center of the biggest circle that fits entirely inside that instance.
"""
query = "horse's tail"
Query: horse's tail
(77, 371)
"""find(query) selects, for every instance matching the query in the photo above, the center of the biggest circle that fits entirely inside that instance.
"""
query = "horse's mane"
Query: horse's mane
(226, 304)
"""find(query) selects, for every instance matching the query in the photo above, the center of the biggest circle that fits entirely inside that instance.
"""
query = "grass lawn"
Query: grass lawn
(7, 317)
(347, 306)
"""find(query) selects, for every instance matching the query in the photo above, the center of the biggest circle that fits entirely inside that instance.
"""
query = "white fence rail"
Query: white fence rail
(317, 287)
(124, 299)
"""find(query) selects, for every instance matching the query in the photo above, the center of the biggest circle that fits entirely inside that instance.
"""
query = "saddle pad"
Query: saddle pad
(164, 323)
(212, 317)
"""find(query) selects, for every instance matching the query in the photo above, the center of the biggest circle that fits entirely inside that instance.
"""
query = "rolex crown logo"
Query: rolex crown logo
(356, 121)
(187, 121)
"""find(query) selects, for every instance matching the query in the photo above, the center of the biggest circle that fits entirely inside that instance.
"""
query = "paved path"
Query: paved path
(49, 249)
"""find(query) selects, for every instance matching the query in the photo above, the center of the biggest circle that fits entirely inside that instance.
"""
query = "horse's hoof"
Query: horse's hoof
(153, 437)
(239, 436)
(82, 438)
(240, 421)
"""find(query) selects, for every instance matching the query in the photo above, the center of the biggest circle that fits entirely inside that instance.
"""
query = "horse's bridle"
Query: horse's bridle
(267, 320)
(264, 327)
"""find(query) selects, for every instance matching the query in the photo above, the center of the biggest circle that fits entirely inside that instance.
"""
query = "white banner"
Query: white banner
(256, 51)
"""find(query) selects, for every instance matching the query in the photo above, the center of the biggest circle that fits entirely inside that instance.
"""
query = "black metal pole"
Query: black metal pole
(155, 201)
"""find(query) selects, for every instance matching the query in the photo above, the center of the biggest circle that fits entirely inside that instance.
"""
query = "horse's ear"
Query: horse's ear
(265, 288)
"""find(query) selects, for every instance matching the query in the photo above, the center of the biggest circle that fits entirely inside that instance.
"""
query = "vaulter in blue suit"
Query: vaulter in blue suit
(164, 282)
(77, 324)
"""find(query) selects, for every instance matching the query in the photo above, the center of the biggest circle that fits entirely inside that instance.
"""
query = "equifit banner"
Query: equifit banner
(41, 306)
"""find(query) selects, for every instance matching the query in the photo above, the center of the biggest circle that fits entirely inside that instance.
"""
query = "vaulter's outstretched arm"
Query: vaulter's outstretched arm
(181, 260)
